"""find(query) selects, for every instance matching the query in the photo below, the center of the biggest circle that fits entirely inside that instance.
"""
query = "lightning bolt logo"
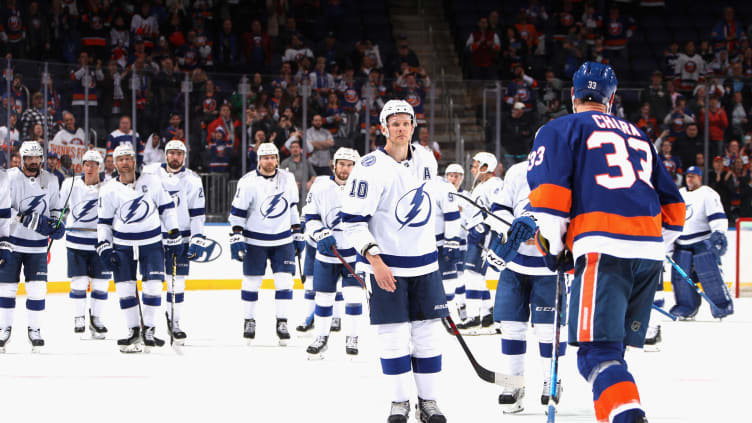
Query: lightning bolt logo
(35, 201)
(271, 205)
(415, 208)
(132, 208)
(84, 211)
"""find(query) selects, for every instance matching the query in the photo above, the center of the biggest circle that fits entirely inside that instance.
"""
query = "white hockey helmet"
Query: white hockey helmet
(454, 168)
(393, 107)
(176, 145)
(267, 149)
(488, 159)
(92, 156)
(123, 150)
(344, 153)
(30, 149)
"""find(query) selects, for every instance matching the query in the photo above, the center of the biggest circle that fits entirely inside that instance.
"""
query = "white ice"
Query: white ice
(702, 373)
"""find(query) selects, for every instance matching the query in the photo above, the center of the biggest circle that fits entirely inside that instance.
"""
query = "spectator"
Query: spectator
(39, 35)
(15, 135)
(13, 30)
(219, 151)
(94, 23)
(718, 122)
(119, 41)
(301, 168)
(655, 94)
(720, 65)
(425, 142)
(109, 169)
(745, 194)
(618, 31)
(334, 116)
(372, 50)
(296, 51)
(739, 121)
(66, 166)
(229, 125)
(209, 103)
(677, 120)
(404, 54)
(166, 89)
(175, 129)
(734, 154)
(513, 50)
(318, 142)
(670, 59)
(521, 89)
(686, 145)
(690, 68)
(728, 32)
(15, 159)
(69, 134)
(33, 115)
(19, 94)
(52, 164)
(736, 178)
(125, 135)
(153, 153)
(321, 81)
(672, 164)
(36, 133)
(553, 109)
(79, 93)
(257, 48)
(187, 54)
(228, 47)
(483, 46)
(54, 103)
(145, 25)
(646, 121)
(517, 132)
(717, 180)
(330, 50)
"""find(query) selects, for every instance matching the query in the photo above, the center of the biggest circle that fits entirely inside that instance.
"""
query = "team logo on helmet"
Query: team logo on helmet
(33, 204)
(414, 208)
(135, 210)
(274, 206)
(85, 211)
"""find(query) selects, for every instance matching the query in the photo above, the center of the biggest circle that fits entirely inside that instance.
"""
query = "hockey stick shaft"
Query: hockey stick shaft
(664, 312)
(62, 215)
(300, 269)
(484, 209)
(692, 283)
(553, 385)
(172, 300)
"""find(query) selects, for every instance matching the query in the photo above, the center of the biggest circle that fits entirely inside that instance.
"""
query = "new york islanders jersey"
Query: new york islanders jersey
(4, 207)
(704, 215)
(510, 203)
(446, 211)
(266, 208)
(81, 223)
(322, 210)
(386, 202)
(31, 194)
(601, 175)
(133, 214)
(483, 194)
(187, 193)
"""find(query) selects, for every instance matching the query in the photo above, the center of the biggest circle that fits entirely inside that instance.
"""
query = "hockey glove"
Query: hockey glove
(719, 242)
(38, 223)
(452, 252)
(5, 251)
(59, 231)
(173, 245)
(237, 246)
(298, 240)
(477, 234)
(523, 228)
(110, 259)
(500, 253)
(198, 247)
(324, 241)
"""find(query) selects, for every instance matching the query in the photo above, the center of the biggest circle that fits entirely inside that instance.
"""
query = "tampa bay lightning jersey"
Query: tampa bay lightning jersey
(4, 207)
(322, 210)
(466, 213)
(187, 193)
(266, 208)
(133, 214)
(81, 223)
(704, 215)
(597, 179)
(446, 211)
(509, 204)
(386, 202)
(483, 194)
(32, 194)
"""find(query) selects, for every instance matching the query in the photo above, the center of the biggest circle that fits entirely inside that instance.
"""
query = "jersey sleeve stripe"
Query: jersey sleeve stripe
(196, 212)
(4, 213)
(673, 214)
(715, 216)
(448, 217)
(312, 217)
(166, 206)
(550, 196)
(497, 207)
(238, 212)
(673, 227)
(354, 218)
(103, 221)
(609, 223)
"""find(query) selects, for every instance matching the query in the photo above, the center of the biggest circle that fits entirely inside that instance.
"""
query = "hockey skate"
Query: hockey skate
(652, 338)
(462, 312)
(306, 325)
(428, 412)
(249, 329)
(351, 345)
(79, 324)
(4, 338)
(511, 400)
(336, 324)
(35, 337)
(97, 329)
(173, 328)
(546, 393)
(399, 412)
(468, 324)
(317, 348)
(282, 333)
(133, 343)
(150, 340)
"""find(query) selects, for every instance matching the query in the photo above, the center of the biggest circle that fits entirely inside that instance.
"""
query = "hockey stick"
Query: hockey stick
(689, 280)
(483, 209)
(174, 346)
(300, 269)
(60, 219)
(553, 399)
(489, 376)
(664, 312)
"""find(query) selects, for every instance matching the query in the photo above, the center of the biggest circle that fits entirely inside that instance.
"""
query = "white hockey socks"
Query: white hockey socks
(179, 296)
(339, 304)
(354, 296)
(474, 294)
(426, 356)
(514, 346)
(309, 297)
(128, 302)
(249, 295)
(78, 287)
(323, 312)
(35, 293)
(7, 303)
(99, 294)
(394, 341)
(152, 299)
(283, 283)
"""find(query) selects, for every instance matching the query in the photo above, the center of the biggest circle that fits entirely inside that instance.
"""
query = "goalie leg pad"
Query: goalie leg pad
(687, 300)
(709, 275)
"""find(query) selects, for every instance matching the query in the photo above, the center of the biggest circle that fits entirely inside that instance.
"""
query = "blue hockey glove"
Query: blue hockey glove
(452, 252)
(110, 259)
(501, 252)
(198, 247)
(38, 223)
(298, 240)
(523, 228)
(173, 245)
(324, 241)
(59, 231)
(237, 246)
(719, 242)
(477, 234)
(5, 251)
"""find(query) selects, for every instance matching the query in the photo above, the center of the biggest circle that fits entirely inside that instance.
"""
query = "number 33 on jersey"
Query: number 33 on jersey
(602, 175)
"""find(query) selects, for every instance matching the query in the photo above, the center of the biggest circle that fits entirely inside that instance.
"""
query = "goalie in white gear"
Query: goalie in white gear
(84, 265)
(264, 219)
(323, 225)
(387, 218)
(133, 209)
(455, 174)
(187, 192)
(479, 304)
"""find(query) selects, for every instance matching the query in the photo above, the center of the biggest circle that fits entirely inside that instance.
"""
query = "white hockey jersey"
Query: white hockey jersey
(386, 203)
(187, 193)
(483, 194)
(704, 215)
(35, 194)
(133, 214)
(81, 223)
(467, 211)
(266, 208)
(322, 210)
(446, 211)
(4, 206)
(510, 203)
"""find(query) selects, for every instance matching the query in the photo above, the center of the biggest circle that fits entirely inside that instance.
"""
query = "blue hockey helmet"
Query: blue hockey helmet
(594, 82)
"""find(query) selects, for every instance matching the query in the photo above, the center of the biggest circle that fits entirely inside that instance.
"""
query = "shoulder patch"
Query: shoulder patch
(368, 160)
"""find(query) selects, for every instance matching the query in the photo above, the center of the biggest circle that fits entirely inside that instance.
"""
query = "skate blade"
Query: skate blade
(130, 349)
(512, 409)
(480, 331)
(98, 336)
(651, 348)
(283, 342)
(315, 357)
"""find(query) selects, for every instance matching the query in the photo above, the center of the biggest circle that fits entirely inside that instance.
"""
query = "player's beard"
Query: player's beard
(268, 168)
(32, 167)
(174, 165)
(342, 176)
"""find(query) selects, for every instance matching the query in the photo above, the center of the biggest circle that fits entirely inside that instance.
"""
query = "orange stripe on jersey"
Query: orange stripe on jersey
(587, 299)
(550, 196)
(673, 214)
(615, 224)
(615, 396)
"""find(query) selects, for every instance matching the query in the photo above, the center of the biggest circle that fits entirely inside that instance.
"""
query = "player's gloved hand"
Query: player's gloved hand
(5, 250)
(719, 242)
(324, 241)
(298, 240)
(173, 245)
(477, 234)
(522, 229)
(452, 252)
(59, 231)
(110, 259)
(237, 246)
(198, 247)
(38, 223)
(500, 252)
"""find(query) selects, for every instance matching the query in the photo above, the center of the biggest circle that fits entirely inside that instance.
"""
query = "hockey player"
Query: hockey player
(525, 292)
(35, 204)
(323, 225)
(309, 295)
(455, 174)
(187, 192)
(263, 217)
(84, 265)
(386, 217)
(699, 249)
(133, 209)
(598, 187)
(479, 314)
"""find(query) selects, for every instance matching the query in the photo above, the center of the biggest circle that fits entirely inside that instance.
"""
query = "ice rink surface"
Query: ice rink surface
(702, 372)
